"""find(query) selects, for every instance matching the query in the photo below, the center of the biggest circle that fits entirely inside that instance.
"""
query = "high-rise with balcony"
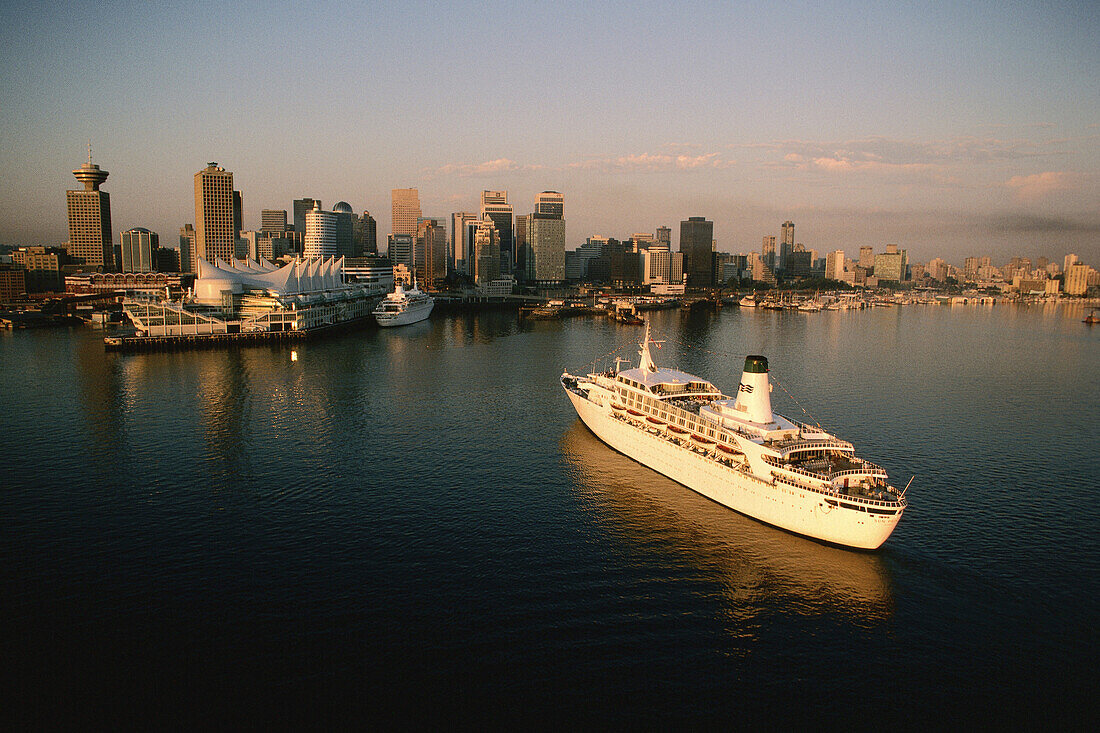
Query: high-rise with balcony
(90, 238)
(405, 211)
(217, 214)
(545, 237)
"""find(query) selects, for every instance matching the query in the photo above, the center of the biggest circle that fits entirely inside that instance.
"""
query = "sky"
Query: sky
(952, 129)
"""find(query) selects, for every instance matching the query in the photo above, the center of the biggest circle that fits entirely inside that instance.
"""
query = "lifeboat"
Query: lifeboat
(654, 420)
(675, 429)
(701, 439)
(726, 449)
(635, 413)
(617, 407)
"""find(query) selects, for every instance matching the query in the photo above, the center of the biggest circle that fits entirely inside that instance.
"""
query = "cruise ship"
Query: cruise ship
(737, 452)
(402, 307)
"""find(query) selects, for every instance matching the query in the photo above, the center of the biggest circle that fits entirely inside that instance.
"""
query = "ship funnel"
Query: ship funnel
(754, 397)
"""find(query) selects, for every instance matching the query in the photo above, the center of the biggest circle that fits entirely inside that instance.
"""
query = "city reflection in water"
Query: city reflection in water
(757, 566)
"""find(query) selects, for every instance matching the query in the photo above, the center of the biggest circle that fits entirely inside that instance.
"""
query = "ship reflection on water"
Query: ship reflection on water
(758, 567)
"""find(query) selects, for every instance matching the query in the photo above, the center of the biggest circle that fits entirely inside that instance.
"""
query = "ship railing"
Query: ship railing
(801, 445)
(870, 470)
(901, 501)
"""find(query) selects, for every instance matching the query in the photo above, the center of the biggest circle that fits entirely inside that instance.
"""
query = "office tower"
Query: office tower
(216, 214)
(238, 221)
(430, 252)
(1069, 261)
(799, 264)
(834, 265)
(400, 249)
(550, 203)
(273, 221)
(866, 257)
(188, 249)
(90, 238)
(321, 233)
(168, 259)
(460, 255)
(523, 247)
(546, 248)
(937, 269)
(767, 251)
(970, 268)
(697, 243)
(405, 211)
(1077, 279)
(139, 250)
(301, 207)
(545, 239)
(786, 243)
(494, 204)
(664, 236)
(345, 230)
(366, 235)
(486, 252)
(891, 266)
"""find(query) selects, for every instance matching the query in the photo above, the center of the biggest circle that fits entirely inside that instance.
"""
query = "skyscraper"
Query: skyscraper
(767, 251)
(786, 244)
(90, 238)
(301, 206)
(321, 238)
(834, 265)
(273, 221)
(139, 250)
(523, 246)
(697, 244)
(430, 252)
(188, 250)
(405, 212)
(461, 254)
(664, 236)
(494, 204)
(545, 236)
(345, 230)
(217, 214)
(486, 252)
(366, 235)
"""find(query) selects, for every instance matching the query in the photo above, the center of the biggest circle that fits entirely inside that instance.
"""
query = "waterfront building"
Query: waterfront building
(786, 243)
(404, 212)
(217, 215)
(1077, 278)
(400, 249)
(139, 250)
(345, 230)
(132, 283)
(494, 204)
(366, 235)
(321, 233)
(545, 235)
(13, 284)
(301, 207)
(696, 244)
(430, 252)
(461, 241)
(834, 265)
(371, 271)
(89, 211)
(41, 268)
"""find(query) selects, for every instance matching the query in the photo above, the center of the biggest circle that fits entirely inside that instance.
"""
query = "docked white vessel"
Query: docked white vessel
(737, 452)
(402, 307)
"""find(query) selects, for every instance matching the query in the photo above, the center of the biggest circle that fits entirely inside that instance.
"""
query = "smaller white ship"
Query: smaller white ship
(749, 301)
(402, 307)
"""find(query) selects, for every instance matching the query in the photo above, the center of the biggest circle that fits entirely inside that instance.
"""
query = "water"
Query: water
(411, 525)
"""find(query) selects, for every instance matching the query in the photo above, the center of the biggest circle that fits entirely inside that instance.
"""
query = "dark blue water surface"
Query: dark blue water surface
(412, 526)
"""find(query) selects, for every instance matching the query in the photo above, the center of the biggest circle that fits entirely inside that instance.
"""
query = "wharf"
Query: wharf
(131, 344)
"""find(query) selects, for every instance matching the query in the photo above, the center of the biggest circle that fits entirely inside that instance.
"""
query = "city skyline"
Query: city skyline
(857, 125)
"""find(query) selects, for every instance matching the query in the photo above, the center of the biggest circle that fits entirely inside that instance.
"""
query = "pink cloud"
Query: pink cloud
(1040, 185)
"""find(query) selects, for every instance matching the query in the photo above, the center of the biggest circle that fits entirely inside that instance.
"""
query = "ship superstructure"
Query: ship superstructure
(402, 307)
(737, 451)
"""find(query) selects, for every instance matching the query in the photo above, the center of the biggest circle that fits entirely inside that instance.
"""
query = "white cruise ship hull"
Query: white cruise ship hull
(801, 511)
(413, 314)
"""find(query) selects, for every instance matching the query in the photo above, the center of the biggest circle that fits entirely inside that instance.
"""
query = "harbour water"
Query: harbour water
(412, 525)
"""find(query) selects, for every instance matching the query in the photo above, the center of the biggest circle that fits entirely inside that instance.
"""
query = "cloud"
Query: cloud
(652, 163)
(488, 168)
(1041, 185)
(1029, 224)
